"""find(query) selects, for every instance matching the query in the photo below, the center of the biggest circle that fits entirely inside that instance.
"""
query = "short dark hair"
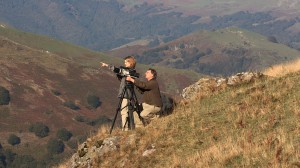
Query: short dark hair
(154, 73)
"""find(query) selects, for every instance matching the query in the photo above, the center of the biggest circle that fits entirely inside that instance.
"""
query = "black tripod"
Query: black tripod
(132, 105)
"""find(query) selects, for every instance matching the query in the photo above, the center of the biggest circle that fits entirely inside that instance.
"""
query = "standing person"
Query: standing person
(129, 63)
(152, 102)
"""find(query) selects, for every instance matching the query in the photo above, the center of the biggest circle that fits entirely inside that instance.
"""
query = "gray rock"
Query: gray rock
(209, 85)
(90, 150)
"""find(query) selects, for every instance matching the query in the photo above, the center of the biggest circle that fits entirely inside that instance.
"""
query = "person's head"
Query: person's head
(151, 74)
(129, 62)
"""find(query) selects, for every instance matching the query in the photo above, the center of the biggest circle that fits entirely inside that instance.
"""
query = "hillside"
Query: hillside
(218, 52)
(222, 7)
(252, 124)
(104, 25)
(50, 85)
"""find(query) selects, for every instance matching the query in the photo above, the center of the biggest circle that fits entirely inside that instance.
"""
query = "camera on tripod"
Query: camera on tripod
(125, 72)
(128, 93)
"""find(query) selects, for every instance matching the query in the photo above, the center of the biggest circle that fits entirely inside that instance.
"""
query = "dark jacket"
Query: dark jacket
(151, 92)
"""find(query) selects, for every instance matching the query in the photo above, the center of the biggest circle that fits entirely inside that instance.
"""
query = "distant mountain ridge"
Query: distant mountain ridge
(104, 25)
(219, 7)
(218, 52)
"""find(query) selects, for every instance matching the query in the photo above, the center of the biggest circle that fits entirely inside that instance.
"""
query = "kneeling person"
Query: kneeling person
(152, 102)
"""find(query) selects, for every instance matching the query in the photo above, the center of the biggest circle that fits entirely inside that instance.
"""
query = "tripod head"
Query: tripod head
(129, 85)
(125, 72)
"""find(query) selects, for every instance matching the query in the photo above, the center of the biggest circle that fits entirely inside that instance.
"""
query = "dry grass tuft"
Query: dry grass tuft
(283, 69)
(251, 125)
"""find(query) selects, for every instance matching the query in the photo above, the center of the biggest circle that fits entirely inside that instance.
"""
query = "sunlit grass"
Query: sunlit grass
(253, 125)
(283, 69)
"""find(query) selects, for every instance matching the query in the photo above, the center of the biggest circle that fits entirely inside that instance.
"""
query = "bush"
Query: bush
(71, 105)
(272, 39)
(101, 120)
(55, 146)
(4, 96)
(73, 144)
(80, 118)
(7, 157)
(2, 160)
(82, 138)
(24, 161)
(13, 139)
(39, 129)
(4, 112)
(56, 92)
(64, 134)
(93, 101)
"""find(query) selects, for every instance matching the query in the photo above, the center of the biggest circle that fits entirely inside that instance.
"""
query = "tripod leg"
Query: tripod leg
(139, 121)
(117, 111)
(130, 117)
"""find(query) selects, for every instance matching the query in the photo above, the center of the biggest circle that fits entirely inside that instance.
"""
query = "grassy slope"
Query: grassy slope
(252, 125)
(33, 66)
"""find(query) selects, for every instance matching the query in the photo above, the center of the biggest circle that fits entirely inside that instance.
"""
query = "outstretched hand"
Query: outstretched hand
(103, 64)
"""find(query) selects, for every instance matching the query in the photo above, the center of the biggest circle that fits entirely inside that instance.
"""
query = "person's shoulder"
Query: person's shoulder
(153, 81)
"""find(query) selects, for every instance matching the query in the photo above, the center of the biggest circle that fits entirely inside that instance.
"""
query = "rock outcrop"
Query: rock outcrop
(92, 149)
(208, 85)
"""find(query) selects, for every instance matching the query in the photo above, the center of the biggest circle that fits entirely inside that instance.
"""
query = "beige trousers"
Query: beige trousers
(124, 115)
(149, 111)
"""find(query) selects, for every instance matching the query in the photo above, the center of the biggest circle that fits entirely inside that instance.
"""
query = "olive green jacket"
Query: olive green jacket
(150, 91)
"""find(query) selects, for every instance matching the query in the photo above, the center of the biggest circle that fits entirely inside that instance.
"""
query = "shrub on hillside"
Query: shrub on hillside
(13, 139)
(93, 101)
(24, 161)
(56, 92)
(82, 138)
(39, 129)
(55, 146)
(64, 134)
(272, 39)
(208, 51)
(101, 120)
(2, 160)
(71, 105)
(4, 96)
(73, 144)
(80, 118)
(7, 157)
(4, 112)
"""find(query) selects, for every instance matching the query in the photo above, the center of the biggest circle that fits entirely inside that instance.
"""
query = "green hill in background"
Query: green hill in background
(218, 52)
